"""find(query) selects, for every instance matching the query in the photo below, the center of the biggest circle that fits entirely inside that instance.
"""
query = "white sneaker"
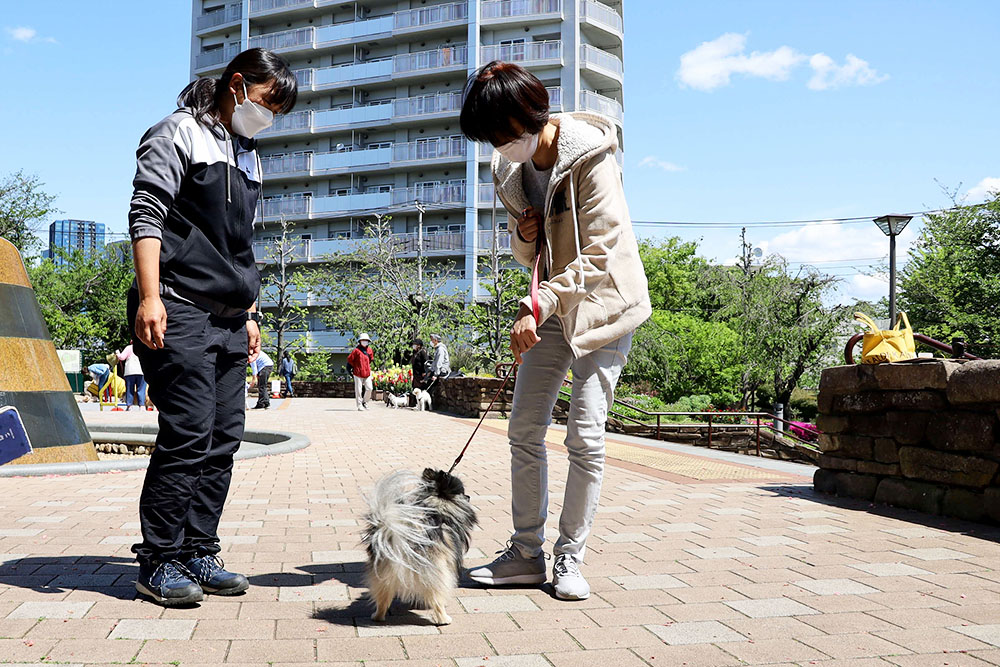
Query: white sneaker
(365, 406)
(360, 409)
(567, 579)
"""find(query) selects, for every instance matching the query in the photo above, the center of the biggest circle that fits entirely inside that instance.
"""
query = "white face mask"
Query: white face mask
(520, 150)
(249, 118)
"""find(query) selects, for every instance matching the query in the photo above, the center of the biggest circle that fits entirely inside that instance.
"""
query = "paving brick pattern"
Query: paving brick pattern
(692, 562)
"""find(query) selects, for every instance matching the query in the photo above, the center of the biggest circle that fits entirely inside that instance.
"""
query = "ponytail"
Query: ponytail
(257, 66)
(199, 96)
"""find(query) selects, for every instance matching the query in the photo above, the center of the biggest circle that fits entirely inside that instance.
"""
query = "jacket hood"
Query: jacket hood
(582, 135)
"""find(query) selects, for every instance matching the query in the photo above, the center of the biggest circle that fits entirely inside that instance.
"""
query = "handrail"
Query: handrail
(658, 415)
(956, 349)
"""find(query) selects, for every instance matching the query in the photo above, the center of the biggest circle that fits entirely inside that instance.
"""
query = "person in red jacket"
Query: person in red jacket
(360, 361)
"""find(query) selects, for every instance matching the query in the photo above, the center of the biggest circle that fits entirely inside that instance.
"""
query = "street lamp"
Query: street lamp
(892, 226)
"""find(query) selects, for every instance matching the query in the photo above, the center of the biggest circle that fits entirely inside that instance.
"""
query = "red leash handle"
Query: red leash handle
(481, 419)
(535, 273)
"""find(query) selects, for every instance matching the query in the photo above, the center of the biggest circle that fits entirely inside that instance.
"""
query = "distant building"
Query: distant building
(83, 235)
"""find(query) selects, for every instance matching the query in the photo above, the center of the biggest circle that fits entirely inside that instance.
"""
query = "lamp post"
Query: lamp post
(892, 226)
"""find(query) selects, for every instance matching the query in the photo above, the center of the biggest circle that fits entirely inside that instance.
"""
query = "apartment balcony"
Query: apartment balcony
(606, 106)
(424, 64)
(606, 67)
(418, 109)
(594, 14)
(289, 8)
(527, 54)
(216, 59)
(315, 341)
(484, 197)
(304, 251)
(221, 19)
(438, 197)
(520, 11)
(441, 150)
(486, 241)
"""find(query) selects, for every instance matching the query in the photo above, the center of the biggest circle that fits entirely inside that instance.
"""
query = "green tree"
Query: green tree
(490, 319)
(281, 285)
(373, 288)
(24, 206)
(782, 321)
(950, 286)
(672, 267)
(83, 300)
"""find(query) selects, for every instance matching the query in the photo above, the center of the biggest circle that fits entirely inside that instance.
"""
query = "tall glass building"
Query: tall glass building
(376, 127)
(84, 235)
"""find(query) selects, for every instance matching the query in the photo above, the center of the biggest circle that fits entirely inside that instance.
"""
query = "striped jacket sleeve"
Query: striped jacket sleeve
(161, 162)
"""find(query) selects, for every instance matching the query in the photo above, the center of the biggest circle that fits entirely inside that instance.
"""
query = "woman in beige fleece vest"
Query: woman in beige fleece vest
(559, 181)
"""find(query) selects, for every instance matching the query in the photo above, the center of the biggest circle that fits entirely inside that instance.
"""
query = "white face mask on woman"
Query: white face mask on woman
(520, 150)
(249, 118)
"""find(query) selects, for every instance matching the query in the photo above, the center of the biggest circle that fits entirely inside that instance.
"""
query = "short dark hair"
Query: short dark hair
(498, 95)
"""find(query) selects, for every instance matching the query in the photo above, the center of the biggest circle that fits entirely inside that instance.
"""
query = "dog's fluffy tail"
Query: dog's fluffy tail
(397, 530)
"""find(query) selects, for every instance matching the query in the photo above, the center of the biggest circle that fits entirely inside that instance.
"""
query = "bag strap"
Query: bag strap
(861, 317)
(906, 320)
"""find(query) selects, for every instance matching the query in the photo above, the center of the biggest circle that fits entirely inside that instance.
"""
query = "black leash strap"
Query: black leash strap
(481, 419)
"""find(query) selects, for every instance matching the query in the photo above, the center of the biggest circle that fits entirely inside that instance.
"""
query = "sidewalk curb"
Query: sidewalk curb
(255, 443)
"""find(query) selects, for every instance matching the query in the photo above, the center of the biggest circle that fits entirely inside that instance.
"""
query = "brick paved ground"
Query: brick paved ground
(686, 570)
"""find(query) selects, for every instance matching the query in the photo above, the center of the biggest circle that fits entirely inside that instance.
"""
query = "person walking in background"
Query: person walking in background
(193, 308)
(288, 370)
(440, 362)
(360, 361)
(135, 383)
(418, 363)
(561, 186)
(261, 367)
(99, 373)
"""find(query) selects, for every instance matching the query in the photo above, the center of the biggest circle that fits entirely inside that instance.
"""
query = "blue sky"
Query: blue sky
(735, 111)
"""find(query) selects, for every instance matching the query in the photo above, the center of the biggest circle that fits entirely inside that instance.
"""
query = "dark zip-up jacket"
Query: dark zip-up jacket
(196, 189)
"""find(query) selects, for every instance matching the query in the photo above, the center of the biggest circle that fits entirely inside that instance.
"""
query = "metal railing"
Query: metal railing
(285, 39)
(956, 349)
(229, 14)
(448, 56)
(428, 149)
(596, 57)
(287, 164)
(759, 418)
(259, 6)
(216, 56)
(423, 16)
(601, 13)
(523, 52)
(386, 110)
(486, 240)
(500, 9)
(603, 105)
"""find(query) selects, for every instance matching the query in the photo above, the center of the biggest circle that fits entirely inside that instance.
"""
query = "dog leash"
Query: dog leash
(536, 312)
(481, 419)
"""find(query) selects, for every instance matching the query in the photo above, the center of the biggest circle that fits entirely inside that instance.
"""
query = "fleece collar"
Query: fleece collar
(582, 135)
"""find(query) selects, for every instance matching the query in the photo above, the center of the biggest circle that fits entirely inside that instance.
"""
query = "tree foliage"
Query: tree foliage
(951, 282)
(283, 285)
(83, 300)
(375, 289)
(24, 206)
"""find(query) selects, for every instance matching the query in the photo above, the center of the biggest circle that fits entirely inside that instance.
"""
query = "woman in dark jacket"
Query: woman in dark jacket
(418, 362)
(193, 305)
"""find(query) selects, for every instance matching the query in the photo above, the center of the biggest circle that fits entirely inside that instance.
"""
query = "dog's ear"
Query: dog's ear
(449, 485)
(430, 475)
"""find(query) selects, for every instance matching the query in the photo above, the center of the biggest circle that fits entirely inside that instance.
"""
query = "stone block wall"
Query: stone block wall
(922, 434)
(470, 396)
(310, 389)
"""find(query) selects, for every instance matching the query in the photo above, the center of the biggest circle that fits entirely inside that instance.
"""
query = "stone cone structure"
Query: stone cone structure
(31, 377)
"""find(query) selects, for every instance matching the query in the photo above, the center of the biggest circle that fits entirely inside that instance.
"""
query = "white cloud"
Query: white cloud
(26, 34)
(712, 64)
(986, 188)
(854, 72)
(657, 163)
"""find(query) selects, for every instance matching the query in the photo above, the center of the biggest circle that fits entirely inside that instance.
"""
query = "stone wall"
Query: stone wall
(309, 389)
(470, 396)
(922, 434)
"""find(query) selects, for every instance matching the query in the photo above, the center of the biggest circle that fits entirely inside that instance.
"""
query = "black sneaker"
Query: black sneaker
(209, 571)
(168, 583)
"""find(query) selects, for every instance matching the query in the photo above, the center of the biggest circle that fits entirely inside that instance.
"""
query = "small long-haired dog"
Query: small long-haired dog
(423, 399)
(393, 401)
(417, 531)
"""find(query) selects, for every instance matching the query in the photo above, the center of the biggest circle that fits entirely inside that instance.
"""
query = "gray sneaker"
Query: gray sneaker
(567, 580)
(511, 568)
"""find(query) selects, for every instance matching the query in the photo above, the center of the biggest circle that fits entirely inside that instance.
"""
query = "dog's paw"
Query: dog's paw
(442, 619)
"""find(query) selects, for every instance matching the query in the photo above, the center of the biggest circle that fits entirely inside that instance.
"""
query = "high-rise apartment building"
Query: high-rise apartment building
(376, 126)
(83, 235)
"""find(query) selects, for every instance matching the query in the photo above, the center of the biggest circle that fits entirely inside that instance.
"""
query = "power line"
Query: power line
(857, 220)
